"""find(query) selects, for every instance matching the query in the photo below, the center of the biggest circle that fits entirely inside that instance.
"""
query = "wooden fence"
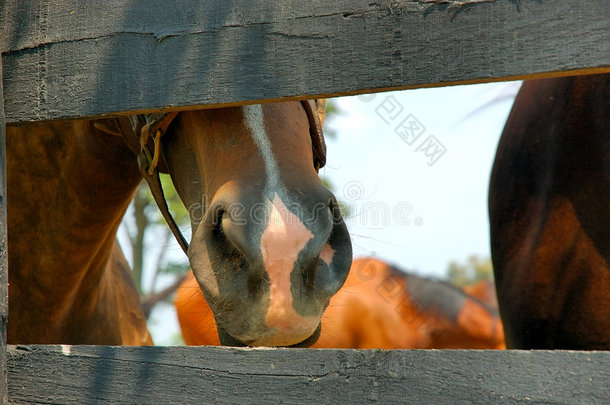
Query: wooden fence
(78, 58)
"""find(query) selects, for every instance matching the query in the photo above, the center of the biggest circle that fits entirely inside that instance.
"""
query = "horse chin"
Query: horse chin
(311, 339)
(227, 340)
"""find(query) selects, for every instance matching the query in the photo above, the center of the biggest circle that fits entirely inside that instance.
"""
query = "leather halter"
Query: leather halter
(147, 128)
(315, 131)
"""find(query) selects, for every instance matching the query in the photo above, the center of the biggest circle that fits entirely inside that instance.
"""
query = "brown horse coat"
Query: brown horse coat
(68, 279)
(549, 207)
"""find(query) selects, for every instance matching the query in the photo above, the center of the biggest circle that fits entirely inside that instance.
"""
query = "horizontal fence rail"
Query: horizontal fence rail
(98, 374)
(67, 59)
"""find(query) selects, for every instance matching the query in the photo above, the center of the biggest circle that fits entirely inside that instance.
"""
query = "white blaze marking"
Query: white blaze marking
(66, 349)
(281, 243)
(254, 120)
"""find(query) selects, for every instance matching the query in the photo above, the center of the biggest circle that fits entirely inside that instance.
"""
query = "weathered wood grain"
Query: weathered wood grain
(89, 374)
(65, 59)
(3, 249)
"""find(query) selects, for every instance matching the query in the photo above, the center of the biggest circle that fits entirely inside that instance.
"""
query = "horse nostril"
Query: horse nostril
(309, 275)
(230, 238)
(217, 217)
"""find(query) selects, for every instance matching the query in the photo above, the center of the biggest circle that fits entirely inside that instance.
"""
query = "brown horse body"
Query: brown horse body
(67, 282)
(484, 290)
(550, 215)
(247, 177)
(378, 307)
(382, 307)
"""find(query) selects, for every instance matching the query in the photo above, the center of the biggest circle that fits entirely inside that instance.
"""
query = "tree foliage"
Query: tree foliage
(332, 110)
(471, 271)
(146, 222)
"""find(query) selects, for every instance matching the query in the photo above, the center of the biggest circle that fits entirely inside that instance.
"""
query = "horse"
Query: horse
(380, 307)
(268, 247)
(549, 210)
(484, 290)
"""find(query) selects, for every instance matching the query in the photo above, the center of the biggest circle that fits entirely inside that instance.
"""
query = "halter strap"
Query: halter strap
(150, 172)
(138, 130)
(315, 131)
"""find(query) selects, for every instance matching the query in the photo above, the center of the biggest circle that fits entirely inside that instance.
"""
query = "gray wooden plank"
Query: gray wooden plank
(103, 374)
(3, 250)
(66, 59)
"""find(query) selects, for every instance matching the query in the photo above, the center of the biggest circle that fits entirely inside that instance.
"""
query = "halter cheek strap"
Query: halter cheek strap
(315, 131)
(150, 172)
(156, 124)
(138, 130)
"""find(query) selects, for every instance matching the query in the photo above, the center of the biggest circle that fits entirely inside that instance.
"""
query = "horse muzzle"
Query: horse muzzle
(268, 271)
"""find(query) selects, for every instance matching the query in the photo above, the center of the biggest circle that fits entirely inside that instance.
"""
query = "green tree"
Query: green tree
(147, 220)
(332, 111)
(473, 270)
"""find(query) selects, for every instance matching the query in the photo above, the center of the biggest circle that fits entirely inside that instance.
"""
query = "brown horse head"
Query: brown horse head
(269, 247)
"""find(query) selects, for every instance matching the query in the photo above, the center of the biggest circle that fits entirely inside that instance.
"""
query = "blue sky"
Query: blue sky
(414, 167)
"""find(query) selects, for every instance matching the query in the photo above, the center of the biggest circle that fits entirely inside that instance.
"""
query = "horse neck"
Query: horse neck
(69, 188)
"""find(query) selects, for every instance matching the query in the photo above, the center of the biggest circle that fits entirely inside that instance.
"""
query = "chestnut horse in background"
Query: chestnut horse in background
(484, 290)
(549, 208)
(268, 248)
(378, 307)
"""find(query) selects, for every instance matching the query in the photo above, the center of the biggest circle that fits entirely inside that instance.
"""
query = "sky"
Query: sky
(413, 167)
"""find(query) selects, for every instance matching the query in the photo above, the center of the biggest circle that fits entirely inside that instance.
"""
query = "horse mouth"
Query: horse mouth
(227, 340)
